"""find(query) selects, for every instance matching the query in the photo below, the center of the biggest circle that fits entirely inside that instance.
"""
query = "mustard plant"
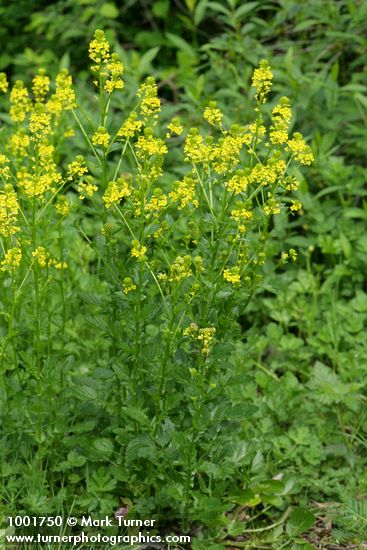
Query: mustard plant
(181, 221)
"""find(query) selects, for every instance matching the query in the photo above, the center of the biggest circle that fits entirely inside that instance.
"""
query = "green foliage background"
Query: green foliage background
(303, 348)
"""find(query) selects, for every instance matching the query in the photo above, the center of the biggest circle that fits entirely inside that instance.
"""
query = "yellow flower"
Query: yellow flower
(20, 104)
(174, 127)
(271, 206)
(19, 142)
(150, 104)
(64, 90)
(128, 285)
(115, 69)
(225, 154)
(203, 335)
(40, 255)
(101, 137)
(185, 192)
(242, 214)
(62, 205)
(130, 127)
(232, 275)
(180, 269)
(11, 260)
(117, 190)
(267, 174)
(157, 202)
(40, 86)
(149, 145)
(213, 115)
(69, 132)
(47, 179)
(40, 122)
(195, 149)
(86, 188)
(301, 151)
(295, 206)
(4, 167)
(238, 183)
(3, 83)
(77, 168)
(99, 48)
(281, 116)
(57, 265)
(262, 80)
(9, 208)
(290, 255)
(138, 251)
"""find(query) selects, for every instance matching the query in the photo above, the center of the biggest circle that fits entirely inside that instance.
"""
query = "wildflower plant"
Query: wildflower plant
(181, 220)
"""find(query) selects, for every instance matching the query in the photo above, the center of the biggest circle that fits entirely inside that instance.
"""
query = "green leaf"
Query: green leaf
(109, 10)
(141, 446)
(299, 521)
(103, 447)
(181, 44)
(136, 414)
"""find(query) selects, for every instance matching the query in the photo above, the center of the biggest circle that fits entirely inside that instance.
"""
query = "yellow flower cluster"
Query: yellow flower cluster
(271, 206)
(128, 285)
(4, 167)
(43, 177)
(203, 335)
(267, 174)
(290, 183)
(238, 183)
(20, 103)
(77, 168)
(9, 208)
(40, 86)
(11, 260)
(115, 69)
(150, 104)
(3, 83)
(262, 80)
(295, 206)
(213, 115)
(108, 68)
(62, 205)
(242, 215)
(99, 48)
(300, 150)
(260, 174)
(180, 269)
(101, 137)
(117, 190)
(149, 145)
(86, 188)
(157, 203)
(195, 149)
(39, 122)
(64, 96)
(33, 185)
(138, 250)
(225, 154)
(130, 127)
(19, 142)
(290, 255)
(232, 275)
(281, 116)
(174, 127)
(185, 192)
(41, 255)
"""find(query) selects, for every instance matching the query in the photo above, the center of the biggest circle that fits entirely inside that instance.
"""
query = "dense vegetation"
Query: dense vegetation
(183, 311)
